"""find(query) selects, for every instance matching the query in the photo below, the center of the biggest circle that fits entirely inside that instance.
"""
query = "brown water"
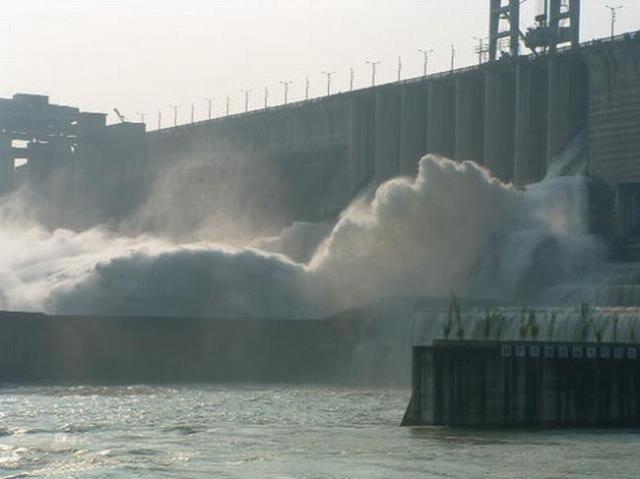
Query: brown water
(275, 432)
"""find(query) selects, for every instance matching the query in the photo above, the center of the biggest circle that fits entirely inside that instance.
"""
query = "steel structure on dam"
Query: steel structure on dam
(82, 171)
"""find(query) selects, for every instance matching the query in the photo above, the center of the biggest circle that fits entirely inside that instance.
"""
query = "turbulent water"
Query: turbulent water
(581, 324)
(275, 432)
(451, 228)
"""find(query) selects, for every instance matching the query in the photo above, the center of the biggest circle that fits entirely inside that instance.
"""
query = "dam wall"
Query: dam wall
(514, 116)
(309, 159)
(42, 348)
(525, 384)
(370, 345)
(37, 348)
(614, 129)
(576, 109)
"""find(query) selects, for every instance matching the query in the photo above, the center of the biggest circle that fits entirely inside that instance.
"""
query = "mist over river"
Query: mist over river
(451, 228)
(281, 431)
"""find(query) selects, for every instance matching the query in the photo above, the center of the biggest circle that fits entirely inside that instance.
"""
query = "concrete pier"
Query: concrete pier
(567, 100)
(441, 123)
(6, 164)
(353, 348)
(469, 119)
(499, 118)
(530, 122)
(361, 140)
(525, 384)
(387, 135)
(413, 125)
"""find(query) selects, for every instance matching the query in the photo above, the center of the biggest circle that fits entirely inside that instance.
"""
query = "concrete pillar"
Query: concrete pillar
(387, 135)
(335, 156)
(361, 147)
(469, 135)
(561, 120)
(89, 158)
(40, 162)
(425, 85)
(530, 123)
(441, 117)
(6, 165)
(499, 113)
(412, 127)
(65, 183)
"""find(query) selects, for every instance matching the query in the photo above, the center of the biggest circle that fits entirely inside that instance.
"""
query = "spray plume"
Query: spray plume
(452, 228)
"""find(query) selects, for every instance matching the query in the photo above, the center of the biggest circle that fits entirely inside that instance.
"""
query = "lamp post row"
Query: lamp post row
(480, 50)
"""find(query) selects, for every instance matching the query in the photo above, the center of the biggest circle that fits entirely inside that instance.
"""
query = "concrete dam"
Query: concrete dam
(515, 117)
(576, 110)
(557, 112)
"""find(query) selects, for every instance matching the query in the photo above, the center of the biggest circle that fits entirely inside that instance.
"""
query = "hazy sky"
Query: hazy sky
(144, 55)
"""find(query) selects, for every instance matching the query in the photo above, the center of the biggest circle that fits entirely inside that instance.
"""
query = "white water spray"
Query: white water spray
(452, 228)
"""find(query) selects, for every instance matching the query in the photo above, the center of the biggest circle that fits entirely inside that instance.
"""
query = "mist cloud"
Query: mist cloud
(452, 228)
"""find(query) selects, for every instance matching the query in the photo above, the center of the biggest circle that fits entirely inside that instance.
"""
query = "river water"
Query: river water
(193, 431)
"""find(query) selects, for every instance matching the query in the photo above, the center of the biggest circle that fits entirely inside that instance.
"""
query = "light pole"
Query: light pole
(614, 16)
(159, 119)
(374, 65)
(480, 49)
(306, 88)
(453, 57)
(210, 106)
(425, 63)
(328, 75)
(266, 98)
(193, 112)
(175, 114)
(246, 99)
(399, 68)
(351, 78)
(228, 106)
(285, 85)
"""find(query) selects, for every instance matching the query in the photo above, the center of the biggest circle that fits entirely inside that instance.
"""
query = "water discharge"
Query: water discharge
(452, 228)
(583, 323)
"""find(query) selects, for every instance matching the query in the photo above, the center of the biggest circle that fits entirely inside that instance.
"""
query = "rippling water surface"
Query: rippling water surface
(275, 432)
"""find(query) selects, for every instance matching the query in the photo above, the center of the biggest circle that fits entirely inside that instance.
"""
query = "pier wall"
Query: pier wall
(38, 348)
(510, 384)
(614, 128)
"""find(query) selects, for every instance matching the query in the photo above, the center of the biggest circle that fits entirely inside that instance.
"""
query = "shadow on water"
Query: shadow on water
(547, 437)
